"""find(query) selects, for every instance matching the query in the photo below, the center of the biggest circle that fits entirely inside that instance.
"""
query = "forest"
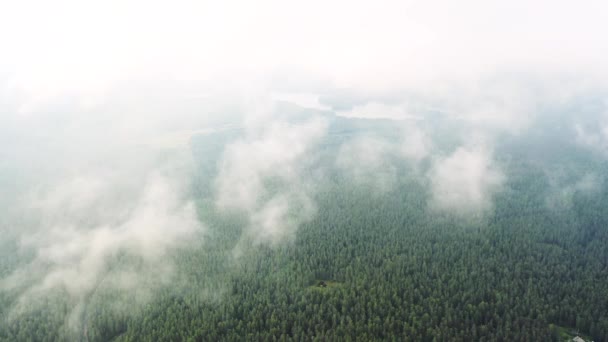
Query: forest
(370, 170)
(373, 261)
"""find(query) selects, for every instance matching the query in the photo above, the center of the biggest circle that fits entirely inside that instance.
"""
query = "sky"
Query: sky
(86, 47)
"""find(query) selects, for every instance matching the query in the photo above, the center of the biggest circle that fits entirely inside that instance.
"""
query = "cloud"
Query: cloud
(364, 45)
(416, 144)
(594, 135)
(562, 192)
(93, 200)
(368, 161)
(263, 175)
(83, 226)
(465, 181)
(376, 110)
(376, 159)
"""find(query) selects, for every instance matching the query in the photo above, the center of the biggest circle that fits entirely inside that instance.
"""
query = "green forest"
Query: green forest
(323, 171)
(369, 265)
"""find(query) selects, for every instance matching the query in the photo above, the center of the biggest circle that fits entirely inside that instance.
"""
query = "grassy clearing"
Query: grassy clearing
(329, 284)
(567, 334)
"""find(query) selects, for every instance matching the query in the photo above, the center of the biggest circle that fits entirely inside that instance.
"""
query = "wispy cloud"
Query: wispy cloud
(465, 181)
(263, 176)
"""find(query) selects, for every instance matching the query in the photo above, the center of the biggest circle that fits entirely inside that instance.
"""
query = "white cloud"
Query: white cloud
(304, 100)
(353, 44)
(368, 161)
(89, 183)
(376, 110)
(561, 192)
(595, 135)
(261, 175)
(465, 181)
(416, 145)
(82, 225)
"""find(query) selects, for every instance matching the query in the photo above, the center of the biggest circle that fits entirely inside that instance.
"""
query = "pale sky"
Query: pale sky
(50, 48)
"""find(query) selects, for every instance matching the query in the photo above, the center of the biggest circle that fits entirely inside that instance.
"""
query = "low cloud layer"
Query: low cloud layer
(594, 134)
(373, 160)
(86, 187)
(368, 161)
(81, 227)
(465, 181)
(262, 175)
(562, 193)
(416, 145)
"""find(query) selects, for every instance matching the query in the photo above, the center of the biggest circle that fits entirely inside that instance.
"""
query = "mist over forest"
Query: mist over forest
(352, 171)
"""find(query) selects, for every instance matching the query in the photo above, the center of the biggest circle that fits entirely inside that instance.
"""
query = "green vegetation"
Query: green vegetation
(394, 269)
(567, 334)
(324, 285)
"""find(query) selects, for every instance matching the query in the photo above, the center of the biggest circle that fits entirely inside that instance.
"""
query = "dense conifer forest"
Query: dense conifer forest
(369, 170)
(370, 265)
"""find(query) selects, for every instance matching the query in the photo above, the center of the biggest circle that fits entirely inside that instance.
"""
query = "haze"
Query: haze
(140, 138)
